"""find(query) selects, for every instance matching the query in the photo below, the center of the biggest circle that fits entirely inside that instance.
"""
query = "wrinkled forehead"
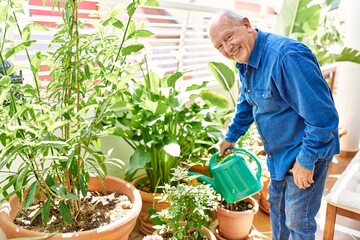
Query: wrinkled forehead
(217, 28)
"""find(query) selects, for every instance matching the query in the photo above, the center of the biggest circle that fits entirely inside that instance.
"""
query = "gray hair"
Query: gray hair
(235, 17)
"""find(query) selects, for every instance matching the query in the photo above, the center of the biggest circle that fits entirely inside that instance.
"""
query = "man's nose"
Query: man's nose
(228, 48)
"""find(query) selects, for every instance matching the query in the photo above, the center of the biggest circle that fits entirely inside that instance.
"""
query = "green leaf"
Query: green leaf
(35, 62)
(65, 213)
(131, 9)
(152, 3)
(26, 32)
(18, 48)
(347, 55)
(4, 9)
(83, 185)
(142, 33)
(21, 177)
(295, 14)
(224, 75)
(59, 189)
(45, 212)
(117, 23)
(172, 79)
(138, 160)
(214, 98)
(30, 195)
(121, 132)
(131, 49)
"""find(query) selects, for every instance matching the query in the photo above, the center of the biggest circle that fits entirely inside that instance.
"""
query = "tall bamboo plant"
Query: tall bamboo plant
(51, 137)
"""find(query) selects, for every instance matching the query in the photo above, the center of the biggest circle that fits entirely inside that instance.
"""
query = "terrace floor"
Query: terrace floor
(345, 229)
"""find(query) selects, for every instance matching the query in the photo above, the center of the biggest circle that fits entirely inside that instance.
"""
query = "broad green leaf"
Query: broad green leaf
(287, 17)
(224, 75)
(214, 98)
(138, 160)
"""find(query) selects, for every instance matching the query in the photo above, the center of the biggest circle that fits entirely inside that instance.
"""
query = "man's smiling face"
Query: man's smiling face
(235, 42)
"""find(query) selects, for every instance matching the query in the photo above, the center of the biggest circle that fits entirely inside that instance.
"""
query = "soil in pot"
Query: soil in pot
(119, 229)
(97, 209)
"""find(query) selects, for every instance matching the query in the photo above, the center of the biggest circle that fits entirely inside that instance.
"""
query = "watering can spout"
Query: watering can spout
(203, 178)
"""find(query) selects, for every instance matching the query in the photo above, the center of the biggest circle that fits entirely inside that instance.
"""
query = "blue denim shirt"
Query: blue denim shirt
(284, 93)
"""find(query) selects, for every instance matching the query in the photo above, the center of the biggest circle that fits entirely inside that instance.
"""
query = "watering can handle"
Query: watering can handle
(259, 170)
(235, 150)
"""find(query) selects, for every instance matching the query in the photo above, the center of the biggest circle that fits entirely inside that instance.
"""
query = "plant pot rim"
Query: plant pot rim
(7, 223)
(254, 210)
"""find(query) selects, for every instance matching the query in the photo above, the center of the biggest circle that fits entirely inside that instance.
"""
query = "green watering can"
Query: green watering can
(233, 178)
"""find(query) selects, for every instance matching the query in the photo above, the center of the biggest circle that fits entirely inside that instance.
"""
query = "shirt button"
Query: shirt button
(263, 95)
(249, 90)
(269, 156)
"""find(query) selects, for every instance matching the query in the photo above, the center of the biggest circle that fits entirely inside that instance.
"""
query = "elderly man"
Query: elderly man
(284, 93)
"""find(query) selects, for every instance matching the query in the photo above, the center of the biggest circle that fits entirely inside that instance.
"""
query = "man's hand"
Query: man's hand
(303, 177)
(225, 148)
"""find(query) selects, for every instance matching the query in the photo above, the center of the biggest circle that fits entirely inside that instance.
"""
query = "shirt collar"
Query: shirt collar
(257, 51)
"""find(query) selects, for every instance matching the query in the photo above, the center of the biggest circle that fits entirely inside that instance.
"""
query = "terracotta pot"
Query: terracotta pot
(149, 200)
(236, 225)
(263, 202)
(119, 230)
(202, 169)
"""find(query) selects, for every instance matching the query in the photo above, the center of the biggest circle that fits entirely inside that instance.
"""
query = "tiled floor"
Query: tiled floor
(345, 229)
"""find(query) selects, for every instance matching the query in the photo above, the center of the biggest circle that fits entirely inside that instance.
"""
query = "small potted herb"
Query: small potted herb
(190, 211)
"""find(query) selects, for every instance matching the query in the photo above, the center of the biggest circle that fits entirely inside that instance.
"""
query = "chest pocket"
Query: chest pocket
(265, 101)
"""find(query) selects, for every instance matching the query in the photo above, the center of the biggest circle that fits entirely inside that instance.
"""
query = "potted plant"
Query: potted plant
(189, 214)
(235, 219)
(50, 138)
(159, 123)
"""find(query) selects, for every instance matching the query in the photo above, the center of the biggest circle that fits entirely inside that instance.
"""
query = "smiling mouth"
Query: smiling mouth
(236, 52)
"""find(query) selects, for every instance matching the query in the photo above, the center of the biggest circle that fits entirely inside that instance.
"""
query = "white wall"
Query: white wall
(348, 77)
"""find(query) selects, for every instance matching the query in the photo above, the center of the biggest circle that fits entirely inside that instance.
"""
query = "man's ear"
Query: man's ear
(246, 23)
